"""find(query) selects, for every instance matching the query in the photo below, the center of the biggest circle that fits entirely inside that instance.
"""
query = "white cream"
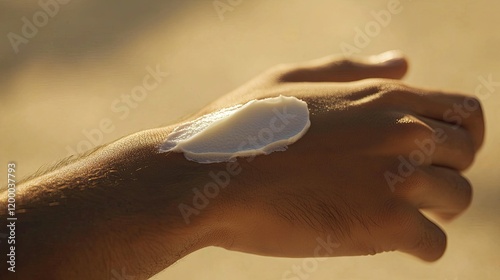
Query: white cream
(255, 128)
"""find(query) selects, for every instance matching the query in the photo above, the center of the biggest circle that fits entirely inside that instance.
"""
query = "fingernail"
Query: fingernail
(389, 57)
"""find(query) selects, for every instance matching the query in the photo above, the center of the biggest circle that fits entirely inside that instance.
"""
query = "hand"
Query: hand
(377, 153)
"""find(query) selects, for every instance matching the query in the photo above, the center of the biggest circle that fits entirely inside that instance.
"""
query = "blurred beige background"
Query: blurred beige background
(83, 58)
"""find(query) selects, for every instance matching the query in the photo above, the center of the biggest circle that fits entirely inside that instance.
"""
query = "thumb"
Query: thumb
(388, 65)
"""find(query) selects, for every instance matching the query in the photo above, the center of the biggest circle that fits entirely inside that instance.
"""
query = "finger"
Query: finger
(461, 110)
(389, 65)
(423, 238)
(441, 190)
(447, 145)
(456, 109)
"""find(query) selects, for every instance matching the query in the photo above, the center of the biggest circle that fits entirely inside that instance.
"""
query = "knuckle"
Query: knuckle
(398, 132)
(408, 128)
(386, 85)
(393, 91)
(378, 83)
(389, 91)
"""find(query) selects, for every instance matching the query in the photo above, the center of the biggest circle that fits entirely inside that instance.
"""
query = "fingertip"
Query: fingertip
(430, 244)
(394, 60)
(387, 65)
(388, 57)
(436, 251)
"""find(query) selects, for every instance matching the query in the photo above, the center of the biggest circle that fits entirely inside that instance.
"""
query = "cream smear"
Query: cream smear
(255, 128)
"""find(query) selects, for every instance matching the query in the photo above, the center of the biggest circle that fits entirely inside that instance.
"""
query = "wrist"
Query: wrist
(123, 199)
(165, 185)
(157, 186)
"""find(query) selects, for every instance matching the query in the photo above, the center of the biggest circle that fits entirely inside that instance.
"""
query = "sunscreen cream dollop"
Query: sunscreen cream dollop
(257, 127)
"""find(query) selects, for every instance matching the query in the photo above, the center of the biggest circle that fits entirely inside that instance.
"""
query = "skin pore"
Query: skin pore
(119, 206)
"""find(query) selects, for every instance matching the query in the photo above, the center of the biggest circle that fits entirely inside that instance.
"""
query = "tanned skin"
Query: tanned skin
(119, 206)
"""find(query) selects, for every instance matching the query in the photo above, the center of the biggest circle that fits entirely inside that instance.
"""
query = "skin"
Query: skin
(118, 208)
